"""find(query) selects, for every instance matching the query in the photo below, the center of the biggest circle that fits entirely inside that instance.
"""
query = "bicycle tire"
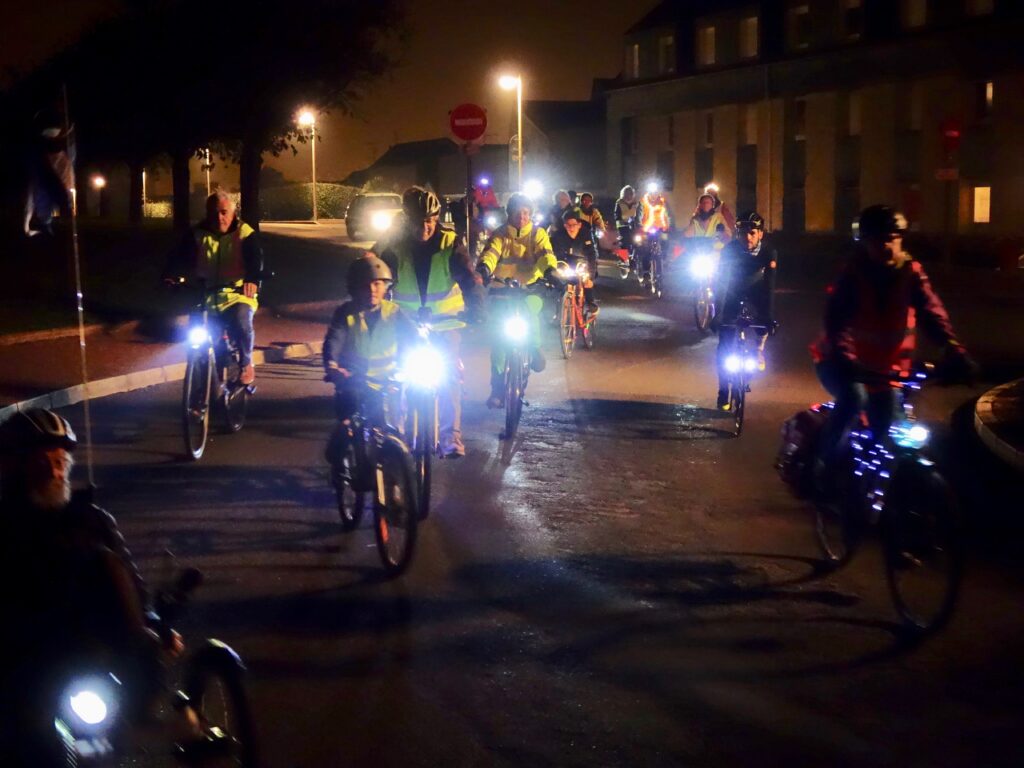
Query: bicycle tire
(738, 400)
(922, 530)
(217, 693)
(351, 503)
(195, 402)
(423, 448)
(236, 397)
(624, 270)
(568, 325)
(589, 332)
(513, 394)
(702, 312)
(395, 515)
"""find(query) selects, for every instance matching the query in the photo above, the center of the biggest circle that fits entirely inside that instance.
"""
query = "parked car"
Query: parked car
(371, 214)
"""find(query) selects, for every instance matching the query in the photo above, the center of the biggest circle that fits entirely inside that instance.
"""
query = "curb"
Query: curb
(68, 331)
(117, 385)
(984, 418)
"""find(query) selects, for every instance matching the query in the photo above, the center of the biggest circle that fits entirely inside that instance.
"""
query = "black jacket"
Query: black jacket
(748, 278)
(572, 250)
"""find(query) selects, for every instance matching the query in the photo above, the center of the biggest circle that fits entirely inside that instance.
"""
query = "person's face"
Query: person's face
(630, 197)
(48, 477)
(586, 202)
(220, 214)
(751, 237)
(372, 294)
(520, 217)
(563, 200)
(706, 205)
(426, 228)
(573, 227)
(886, 249)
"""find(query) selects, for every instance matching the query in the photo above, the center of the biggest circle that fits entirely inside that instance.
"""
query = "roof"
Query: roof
(554, 115)
(665, 14)
(410, 152)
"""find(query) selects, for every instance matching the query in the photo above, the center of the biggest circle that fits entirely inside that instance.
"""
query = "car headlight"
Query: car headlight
(424, 368)
(381, 220)
(702, 266)
(909, 434)
(197, 336)
(516, 328)
(733, 364)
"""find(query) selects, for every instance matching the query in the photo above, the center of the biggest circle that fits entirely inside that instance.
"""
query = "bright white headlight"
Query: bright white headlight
(491, 221)
(637, 239)
(733, 364)
(516, 328)
(919, 434)
(909, 434)
(538, 218)
(749, 364)
(89, 707)
(702, 266)
(198, 336)
(424, 368)
(566, 272)
(381, 221)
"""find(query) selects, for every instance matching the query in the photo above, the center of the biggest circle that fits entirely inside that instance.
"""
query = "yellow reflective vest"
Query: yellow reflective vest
(374, 350)
(524, 254)
(221, 264)
(443, 295)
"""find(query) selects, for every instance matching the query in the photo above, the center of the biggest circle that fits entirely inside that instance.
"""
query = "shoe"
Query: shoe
(537, 361)
(760, 360)
(723, 400)
(496, 400)
(452, 447)
(248, 375)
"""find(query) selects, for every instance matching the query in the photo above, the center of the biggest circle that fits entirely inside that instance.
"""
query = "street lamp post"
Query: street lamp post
(508, 82)
(308, 119)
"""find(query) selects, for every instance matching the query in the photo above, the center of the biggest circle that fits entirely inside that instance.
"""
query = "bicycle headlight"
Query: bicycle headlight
(424, 368)
(89, 704)
(733, 364)
(491, 221)
(381, 221)
(89, 707)
(516, 328)
(749, 364)
(909, 434)
(702, 267)
(638, 239)
(566, 272)
(197, 336)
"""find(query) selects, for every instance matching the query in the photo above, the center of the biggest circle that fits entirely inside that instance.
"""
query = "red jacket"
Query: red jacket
(872, 315)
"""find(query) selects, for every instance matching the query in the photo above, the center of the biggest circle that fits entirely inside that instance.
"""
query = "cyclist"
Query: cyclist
(590, 215)
(522, 251)
(225, 252)
(708, 221)
(873, 310)
(655, 215)
(626, 214)
(746, 274)
(575, 242)
(432, 265)
(561, 202)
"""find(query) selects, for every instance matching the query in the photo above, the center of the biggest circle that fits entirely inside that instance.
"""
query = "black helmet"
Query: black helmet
(877, 222)
(419, 204)
(35, 428)
(517, 201)
(750, 220)
(571, 213)
(365, 270)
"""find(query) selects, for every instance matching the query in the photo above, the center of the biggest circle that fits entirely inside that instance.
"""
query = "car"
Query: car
(372, 213)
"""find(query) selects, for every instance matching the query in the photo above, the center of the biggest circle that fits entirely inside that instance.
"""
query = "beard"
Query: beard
(54, 495)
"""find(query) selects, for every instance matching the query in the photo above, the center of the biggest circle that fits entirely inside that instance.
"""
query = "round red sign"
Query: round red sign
(468, 122)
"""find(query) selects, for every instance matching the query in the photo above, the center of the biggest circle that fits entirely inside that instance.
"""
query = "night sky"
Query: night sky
(455, 54)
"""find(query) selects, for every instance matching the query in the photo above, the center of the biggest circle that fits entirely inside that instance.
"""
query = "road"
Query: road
(631, 586)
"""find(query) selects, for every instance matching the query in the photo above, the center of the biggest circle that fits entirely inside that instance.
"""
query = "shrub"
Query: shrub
(295, 201)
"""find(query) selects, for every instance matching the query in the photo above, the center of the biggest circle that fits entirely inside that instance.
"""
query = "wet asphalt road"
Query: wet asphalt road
(630, 585)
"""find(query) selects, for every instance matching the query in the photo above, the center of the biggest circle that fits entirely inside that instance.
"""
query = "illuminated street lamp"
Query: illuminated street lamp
(508, 82)
(308, 120)
(98, 182)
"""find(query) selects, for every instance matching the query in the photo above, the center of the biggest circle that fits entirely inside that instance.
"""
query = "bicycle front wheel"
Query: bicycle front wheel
(514, 385)
(395, 513)
(738, 403)
(236, 397)
(218, 695)
(924, 547)
(702, 311)
(424, 445)
(195, 402)
(568, 324)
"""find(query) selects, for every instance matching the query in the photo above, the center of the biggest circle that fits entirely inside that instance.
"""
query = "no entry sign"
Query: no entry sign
(468, 122)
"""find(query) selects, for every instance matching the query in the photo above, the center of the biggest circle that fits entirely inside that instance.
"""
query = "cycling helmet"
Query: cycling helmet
(750, 220)
(35, 428)
(878, 221)
(365, 270)
(708, 195)
(419, 204)
(517, 201)
(625, 190)
(586, 194)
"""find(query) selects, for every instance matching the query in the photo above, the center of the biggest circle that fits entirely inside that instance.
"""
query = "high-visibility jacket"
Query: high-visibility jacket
(625, 211)
(709, 226)
(524, 254)
(873, 312)
(594, 218)
(373, 350)
(654, 214)
(442, 295)
(221, 264)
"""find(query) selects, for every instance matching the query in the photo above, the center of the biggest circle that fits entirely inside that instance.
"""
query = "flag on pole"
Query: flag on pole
(51, 172)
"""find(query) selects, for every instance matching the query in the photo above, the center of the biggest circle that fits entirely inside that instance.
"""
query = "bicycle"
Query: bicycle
(212, 374)
(891, 485)
(703, 266)
(649, 247)
(741, 362)
(516, 332)
(369, 460)
(575, 316)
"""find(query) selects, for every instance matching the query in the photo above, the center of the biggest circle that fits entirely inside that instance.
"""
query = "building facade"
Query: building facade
(808, 110)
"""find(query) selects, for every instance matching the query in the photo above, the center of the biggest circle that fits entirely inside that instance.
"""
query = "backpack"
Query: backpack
(800, 434)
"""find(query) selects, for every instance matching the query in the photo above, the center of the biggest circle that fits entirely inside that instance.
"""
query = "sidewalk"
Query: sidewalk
(999, 421)
(46, 372)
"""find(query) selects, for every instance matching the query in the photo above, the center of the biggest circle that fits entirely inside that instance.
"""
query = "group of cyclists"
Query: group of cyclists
(425, 270)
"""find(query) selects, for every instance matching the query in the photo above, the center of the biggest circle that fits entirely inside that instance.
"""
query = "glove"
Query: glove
(484, 272)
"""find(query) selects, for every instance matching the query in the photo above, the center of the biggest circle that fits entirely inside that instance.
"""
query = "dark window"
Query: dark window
(628, 135)
(799, 132)
(704, 166)
(746, 178)
(671, 130)
(853, 19)
(667, 169)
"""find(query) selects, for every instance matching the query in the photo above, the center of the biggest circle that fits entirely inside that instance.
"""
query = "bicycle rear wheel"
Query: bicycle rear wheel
(589, 330)
(236, 397)
(738, 403)
(195, 401)
(395, 513)
(568, 324)
(924, 547)
(217, 693)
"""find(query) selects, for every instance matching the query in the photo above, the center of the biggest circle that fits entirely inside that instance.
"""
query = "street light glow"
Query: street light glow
(508, 82)
(307, 119)
(98, 182)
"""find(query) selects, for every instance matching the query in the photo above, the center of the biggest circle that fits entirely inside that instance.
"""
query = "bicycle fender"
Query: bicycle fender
(219, 655)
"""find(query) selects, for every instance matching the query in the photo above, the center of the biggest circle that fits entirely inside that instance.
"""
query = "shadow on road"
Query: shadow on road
(639, 420)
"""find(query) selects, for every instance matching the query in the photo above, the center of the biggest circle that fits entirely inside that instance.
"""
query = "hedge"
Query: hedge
(295, 201)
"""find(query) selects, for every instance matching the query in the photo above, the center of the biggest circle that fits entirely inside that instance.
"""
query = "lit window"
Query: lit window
(984, 99)
(706, 46)
(853, 127)
(748, 123)
(915, 13)
(980, 7)
(982, 205)
(748, 37)
(666, 54)
(800, 26)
